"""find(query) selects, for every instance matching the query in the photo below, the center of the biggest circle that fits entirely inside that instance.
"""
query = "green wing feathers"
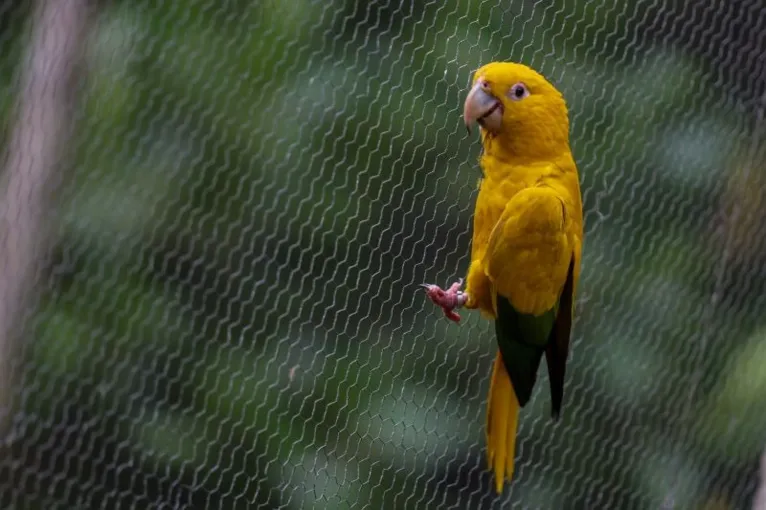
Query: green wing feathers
(523, 339)
(557, 350)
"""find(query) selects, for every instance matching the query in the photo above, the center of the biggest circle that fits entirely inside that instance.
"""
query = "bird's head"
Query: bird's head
(520, 113)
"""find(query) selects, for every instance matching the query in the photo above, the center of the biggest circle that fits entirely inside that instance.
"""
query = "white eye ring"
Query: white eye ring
(518, 92)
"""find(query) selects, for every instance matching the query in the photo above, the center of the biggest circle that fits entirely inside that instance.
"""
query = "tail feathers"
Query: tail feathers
(502, 422)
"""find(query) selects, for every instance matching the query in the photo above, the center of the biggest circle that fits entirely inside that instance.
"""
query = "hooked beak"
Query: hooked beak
(482, 107)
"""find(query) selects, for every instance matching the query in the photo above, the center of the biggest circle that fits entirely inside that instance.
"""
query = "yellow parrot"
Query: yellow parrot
(526, 246)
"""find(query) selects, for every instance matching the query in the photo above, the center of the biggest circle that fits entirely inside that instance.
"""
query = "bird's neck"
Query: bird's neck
(501, 163)
(509, 154)
(535, 143)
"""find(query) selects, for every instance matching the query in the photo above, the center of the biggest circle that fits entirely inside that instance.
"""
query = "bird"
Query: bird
(526, 244)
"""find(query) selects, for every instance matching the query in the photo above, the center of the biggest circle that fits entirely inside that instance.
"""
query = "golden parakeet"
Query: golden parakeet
(526, 247)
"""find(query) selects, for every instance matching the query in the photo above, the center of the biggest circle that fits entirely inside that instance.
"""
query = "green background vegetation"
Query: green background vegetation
(232, 319)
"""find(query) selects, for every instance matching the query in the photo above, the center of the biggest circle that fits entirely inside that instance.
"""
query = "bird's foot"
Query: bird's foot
(449, 300)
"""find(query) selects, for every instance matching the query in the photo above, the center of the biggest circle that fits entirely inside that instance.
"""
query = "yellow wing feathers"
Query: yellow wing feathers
(529, 253)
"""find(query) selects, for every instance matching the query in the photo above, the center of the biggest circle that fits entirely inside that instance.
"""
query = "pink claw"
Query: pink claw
(449, 299)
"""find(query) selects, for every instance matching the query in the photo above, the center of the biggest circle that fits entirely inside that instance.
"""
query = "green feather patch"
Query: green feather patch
(522, 339)
(557, 350)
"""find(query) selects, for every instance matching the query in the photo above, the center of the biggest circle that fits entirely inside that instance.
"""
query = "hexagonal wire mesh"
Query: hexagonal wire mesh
(228, 317)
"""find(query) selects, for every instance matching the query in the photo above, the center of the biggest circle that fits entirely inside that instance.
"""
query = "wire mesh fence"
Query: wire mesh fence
(225, 311)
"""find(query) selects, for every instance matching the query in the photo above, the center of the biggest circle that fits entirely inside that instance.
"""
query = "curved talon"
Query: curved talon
(449, 299)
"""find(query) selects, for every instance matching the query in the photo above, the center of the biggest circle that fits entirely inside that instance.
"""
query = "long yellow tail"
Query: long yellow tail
(502, 421)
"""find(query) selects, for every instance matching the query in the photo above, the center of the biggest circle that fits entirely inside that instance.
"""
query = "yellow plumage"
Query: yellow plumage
(526, 245)
(527, 227)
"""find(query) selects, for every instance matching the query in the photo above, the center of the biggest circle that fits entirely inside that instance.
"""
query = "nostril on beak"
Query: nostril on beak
(485, 84)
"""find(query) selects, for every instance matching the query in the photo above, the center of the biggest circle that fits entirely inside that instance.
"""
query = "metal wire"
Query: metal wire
(229, 315)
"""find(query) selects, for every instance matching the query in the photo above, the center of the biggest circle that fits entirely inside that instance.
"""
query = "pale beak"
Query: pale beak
(482, 107)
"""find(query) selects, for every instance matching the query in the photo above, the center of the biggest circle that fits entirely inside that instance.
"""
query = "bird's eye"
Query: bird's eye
(518, 92)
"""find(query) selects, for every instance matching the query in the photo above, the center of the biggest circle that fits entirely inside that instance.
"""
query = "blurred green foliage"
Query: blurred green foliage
(233, 322)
